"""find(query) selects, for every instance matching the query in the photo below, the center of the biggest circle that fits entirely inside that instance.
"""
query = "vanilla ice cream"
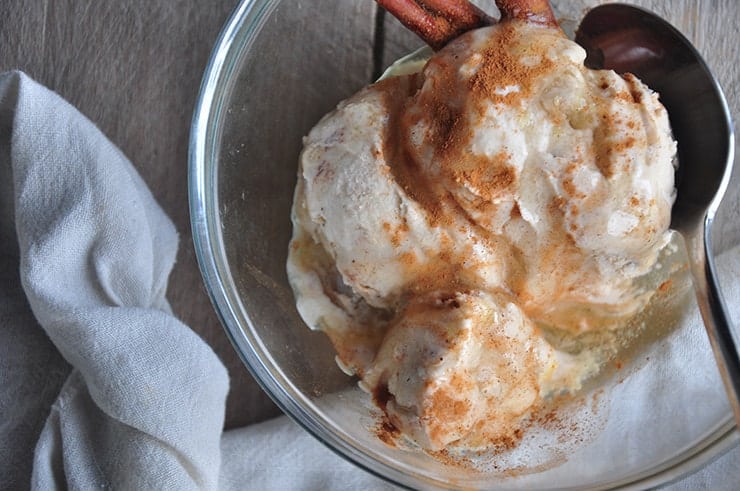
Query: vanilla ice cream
(444, 220)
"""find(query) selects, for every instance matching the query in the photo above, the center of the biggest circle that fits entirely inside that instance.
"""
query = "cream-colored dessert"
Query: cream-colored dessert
(442, 220)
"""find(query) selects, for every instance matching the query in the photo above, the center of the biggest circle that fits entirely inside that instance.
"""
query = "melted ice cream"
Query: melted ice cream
(443, 219)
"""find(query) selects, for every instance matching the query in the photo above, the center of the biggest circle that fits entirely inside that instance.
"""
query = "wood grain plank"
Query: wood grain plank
(134, 69)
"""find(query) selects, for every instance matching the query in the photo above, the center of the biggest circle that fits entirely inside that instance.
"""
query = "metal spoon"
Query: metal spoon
(629, 39)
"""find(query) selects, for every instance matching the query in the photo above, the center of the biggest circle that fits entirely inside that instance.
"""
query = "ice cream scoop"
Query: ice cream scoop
(448, 224)
(629, 39)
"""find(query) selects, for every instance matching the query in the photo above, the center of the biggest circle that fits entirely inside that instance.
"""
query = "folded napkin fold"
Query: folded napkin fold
(144, 403)
(136, 399)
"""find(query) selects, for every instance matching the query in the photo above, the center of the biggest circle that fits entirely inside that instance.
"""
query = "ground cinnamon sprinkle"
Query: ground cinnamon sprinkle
(404, 168)
(665, 286)
(625, 96)
(516, 212)
(407, 259)
(603, 148)
(628, 143)
(443, 409)
(387, 432)
(501, 69)
(570, 188)
(398, 234)
(500, 77)
(488, 177)
(633, 82)
(396, 238)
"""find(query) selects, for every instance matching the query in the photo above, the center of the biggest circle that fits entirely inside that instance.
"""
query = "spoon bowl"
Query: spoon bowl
(630, 39)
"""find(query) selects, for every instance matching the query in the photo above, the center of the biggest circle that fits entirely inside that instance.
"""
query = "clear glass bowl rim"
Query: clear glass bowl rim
(245, 21)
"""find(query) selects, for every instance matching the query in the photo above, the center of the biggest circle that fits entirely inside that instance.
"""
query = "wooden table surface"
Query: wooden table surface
(134, 67)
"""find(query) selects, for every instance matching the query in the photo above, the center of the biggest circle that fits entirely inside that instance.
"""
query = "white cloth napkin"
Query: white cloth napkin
(144, 402)
(100, 385)
(143, 405)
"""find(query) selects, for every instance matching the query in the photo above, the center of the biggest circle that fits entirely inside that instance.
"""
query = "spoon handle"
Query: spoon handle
(722, 337)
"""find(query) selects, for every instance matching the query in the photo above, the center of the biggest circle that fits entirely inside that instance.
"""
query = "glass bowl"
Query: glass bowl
(273, 73)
